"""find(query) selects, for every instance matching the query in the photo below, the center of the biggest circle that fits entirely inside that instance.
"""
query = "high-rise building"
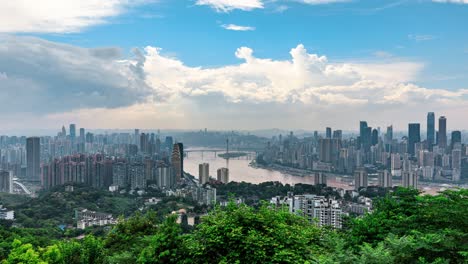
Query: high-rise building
(223, 175)
(430, 130)
(389, 134)
(389, 139)
(136, 136)
(442, 138)
(456, 164)
(168, 144)
(329, 149)
(316, 209)
(82, 135)
(177, 160)
(385, 179)
(120, 174)
(456, 138)
(136, 176)
(72, 132)
(6, 181)
(409, 179)
(144, 143)
(203, 173)
(338, 134)
(375, 137)
(360, 178)
(362, 134)
(395, 164)
(414, 136)
(328, 132)
(165, 177)
(33, 159)
(320, 178)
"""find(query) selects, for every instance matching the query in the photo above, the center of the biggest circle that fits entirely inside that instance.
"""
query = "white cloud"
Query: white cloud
(99, 88)
(237, 27)
(451, 1)
(306, 78)
(229, 5)
(417, 37)
(59, 16)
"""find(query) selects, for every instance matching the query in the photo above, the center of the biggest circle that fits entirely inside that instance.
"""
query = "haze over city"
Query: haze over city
(231, 64)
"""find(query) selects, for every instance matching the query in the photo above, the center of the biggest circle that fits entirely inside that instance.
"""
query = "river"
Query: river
(239, 169)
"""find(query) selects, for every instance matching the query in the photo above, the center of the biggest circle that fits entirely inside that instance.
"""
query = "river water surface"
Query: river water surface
(239, 169)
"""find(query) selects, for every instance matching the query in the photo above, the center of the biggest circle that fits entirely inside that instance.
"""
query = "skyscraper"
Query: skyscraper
(360, 179)
(389, 134)
(72, 132)
(6, 181)
(337, 134)
(365, 134)
(203, 173)
(362, 133)
(223, 175)
(375, 137)
(430, 130)
(414, 136)
(456, 164)
(409, 179)
(82, 135)
(385, 179)
(136, 137)
(328, 132)
(33, 159)
(320, 178)
(144, 143)
(442, 132)
(455, 138)
(177, 160)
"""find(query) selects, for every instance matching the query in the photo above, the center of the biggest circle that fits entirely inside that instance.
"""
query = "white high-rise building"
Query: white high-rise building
(318, 209)
(395, 164)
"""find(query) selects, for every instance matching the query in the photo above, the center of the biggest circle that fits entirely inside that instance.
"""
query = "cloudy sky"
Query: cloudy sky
(232, 64)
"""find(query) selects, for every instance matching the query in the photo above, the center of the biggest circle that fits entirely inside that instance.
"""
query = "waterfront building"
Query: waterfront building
(410, 179)
(203, 173)
(320, 178)
(385, 179)
(177, 160)
(360, 179)
(223, 175)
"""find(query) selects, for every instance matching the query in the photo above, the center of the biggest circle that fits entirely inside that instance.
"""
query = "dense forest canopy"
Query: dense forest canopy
(405, 227)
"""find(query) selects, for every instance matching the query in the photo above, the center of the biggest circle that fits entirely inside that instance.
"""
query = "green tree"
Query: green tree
(23, 253)
(241, 234)
(166, 246)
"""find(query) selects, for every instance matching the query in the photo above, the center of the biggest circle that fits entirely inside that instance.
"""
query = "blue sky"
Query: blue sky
(433, 33)
(421, 42)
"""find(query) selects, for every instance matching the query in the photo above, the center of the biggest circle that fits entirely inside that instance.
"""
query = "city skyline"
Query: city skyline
(251, 64)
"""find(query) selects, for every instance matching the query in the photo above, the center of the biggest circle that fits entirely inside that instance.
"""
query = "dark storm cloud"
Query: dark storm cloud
(46, 77)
